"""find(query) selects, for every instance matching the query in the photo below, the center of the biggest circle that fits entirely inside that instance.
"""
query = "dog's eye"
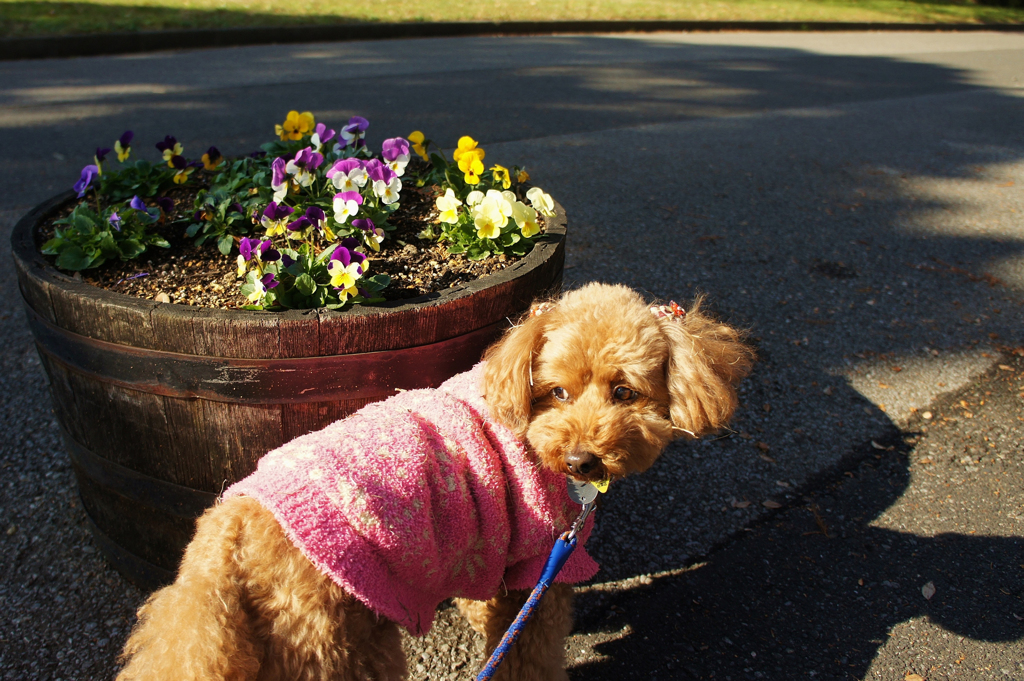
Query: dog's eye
(560, 394)
(624, 394)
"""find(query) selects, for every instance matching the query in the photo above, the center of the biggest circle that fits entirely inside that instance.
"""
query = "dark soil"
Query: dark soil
(202, 276)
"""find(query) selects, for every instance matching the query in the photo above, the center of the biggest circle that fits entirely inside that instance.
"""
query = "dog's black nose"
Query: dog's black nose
(580, 463)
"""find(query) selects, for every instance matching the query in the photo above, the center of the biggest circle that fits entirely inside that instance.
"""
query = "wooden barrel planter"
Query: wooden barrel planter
(163, 405)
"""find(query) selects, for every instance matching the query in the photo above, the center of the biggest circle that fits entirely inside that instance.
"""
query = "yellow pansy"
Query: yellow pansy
(522, 175)
(296, 126)
(500, 175)
(471, 164)
(416, 138)
(467, 145)
(449, 207)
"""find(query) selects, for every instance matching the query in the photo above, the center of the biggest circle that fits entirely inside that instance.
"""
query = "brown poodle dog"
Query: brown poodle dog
(595, 385)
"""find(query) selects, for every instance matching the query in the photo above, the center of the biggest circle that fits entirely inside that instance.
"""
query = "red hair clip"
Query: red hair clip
(672, 310)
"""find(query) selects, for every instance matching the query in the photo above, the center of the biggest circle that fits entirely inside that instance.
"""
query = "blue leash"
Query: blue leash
(560, 553)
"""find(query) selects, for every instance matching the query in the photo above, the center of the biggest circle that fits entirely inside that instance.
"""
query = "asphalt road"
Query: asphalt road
(855, 200)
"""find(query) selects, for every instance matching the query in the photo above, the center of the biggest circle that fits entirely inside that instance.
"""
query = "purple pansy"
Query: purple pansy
(275, 211)
(365, 224)
(316, 216)
(354, 132)
(321, 136)
(350, 196)
(115, 221)
(101, 154)
(279, 174)
(254, 247)
(346, 256)
(125, 140)
(268, 280)
(167, 144)
(395, 148)
(89, 173)
(379, 172)
(345, 166)
(137, 203)
(166, 204)
(299, 224)
(307, 159)
(257, 154)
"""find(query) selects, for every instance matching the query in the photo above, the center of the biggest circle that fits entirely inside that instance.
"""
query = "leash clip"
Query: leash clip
(577, 524)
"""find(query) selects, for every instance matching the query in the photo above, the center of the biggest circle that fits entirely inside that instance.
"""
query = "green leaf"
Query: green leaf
(305, 284)
(52, 247)
(130, 248)
(225, 244)
(73, 258)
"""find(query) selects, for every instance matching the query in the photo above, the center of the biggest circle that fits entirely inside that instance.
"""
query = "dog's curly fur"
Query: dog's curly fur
(596, 385)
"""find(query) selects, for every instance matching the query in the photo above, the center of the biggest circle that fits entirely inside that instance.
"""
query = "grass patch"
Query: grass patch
(20, 18)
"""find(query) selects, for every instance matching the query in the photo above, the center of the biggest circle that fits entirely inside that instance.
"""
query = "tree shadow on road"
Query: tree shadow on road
(817, 590)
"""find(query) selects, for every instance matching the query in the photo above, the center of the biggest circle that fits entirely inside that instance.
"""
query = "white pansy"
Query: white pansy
(542, 201)
(526, 218)
(449, 207)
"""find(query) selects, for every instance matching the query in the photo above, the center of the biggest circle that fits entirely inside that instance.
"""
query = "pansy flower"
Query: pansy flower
(467, 145)
(256, 251)
(449, 207)
(279, 179)
(170, 148)
(321, 136)
(115, 221)
(212, 158)
(522, 175)
(299, 228)
(348, 175)
(471, 165)
(346, 205)
(145, 214)
(504, 200)
(372, 234)
(123, 145)
(396, 154)
(474, 197)
(303, 165)
(89, 173)
(317, 218)
(386, 185)
(542, 201)
(275, 218)
(296, 126)
(501, 176)
(354, 132)
(417, 139)
(166, 204)
(526, 219)
(183, 168)
(489, 216)
(345, 267)
(100, 157)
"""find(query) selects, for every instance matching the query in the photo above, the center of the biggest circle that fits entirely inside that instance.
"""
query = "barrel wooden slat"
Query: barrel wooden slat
(161, 401)
(239, 435)
(87, 310)
(63, 396)
(156, 537)
(299, 419)
(250, 334)
(299, 332)
(191, 464)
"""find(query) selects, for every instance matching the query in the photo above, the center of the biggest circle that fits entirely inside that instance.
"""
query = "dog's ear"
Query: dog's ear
(706, 361)
(508, 369)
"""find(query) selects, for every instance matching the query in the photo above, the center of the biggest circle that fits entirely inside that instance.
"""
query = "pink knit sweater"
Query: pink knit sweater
(417, 499)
